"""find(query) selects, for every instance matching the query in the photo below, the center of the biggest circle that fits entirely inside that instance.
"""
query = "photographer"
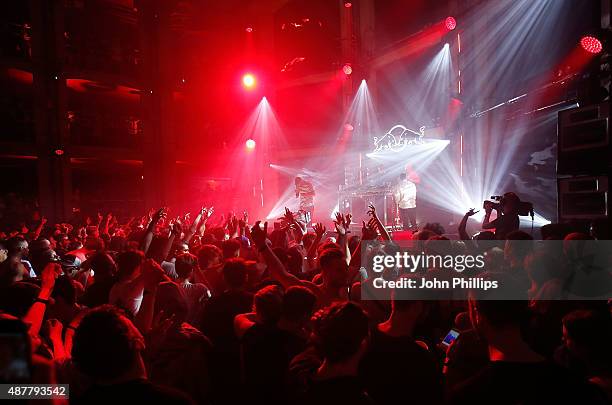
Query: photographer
(507, 215)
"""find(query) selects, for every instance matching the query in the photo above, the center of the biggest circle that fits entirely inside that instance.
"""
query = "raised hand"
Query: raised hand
(232, 224)
(319, 230)
(243, 222)
(300, 227)
(367, 232)
(176, 227)
(372, 211)
(288, 215)
(49, 275)
(471, 212)
(161, 213)
(259, 235)
(339, 224)
(348, 219)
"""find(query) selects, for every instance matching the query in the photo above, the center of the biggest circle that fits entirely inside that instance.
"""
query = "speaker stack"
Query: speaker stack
(584, 163)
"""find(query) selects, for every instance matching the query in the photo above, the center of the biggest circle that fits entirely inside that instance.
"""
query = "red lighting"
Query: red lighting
(591, 44)
(59, 152)
(348, 127)
(249, 29)
(450, 23)
(347, 69)
(248, 81)
(250, 144)
(348, 4)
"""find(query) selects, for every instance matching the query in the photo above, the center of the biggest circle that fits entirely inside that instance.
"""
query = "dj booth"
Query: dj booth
(356, 200)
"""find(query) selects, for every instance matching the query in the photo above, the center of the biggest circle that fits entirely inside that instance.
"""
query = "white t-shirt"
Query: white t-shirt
(405, 194)
(127, 295)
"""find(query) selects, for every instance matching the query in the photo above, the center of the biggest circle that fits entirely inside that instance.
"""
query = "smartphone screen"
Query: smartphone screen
(14, 357)
(450, 337)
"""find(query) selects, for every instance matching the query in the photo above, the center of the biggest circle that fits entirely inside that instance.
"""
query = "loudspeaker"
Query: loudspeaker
(583, 197)
(584, 140)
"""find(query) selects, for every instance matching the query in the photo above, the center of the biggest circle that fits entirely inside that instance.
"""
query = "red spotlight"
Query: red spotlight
(348, 4)
(58, 152)
(250, 144)
(591, 44)
(348, 127)
(450, 23)
(249, 29)
(347, 69)
(248, 81)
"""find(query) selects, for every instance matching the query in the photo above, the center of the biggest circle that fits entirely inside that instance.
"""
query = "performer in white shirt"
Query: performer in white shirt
(405, 198)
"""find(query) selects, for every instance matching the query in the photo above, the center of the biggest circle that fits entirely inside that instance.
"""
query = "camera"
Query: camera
(523, 208)
(492, 205)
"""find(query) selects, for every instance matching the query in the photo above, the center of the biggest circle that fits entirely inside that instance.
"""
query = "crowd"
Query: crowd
(219, 309)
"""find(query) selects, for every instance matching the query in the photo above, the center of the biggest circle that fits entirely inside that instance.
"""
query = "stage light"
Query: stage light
(591, 44)
(450, 23)
(348, 127)
(250, 144)
(249, 29)
(347, 69)
(348, 4)
(248, 81)
(59, 152)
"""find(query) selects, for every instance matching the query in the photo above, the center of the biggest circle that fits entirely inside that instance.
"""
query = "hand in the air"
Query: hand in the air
(259, 235)
(319, 230)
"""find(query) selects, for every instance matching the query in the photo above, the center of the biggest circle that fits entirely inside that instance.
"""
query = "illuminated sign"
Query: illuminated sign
(397, 138)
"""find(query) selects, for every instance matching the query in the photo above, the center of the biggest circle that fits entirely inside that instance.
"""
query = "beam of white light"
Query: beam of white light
(262, 126)
(362, 114)
(488, 174)
(538, 221)
(419, 157)
(425, 95)
(504, 31)
(287, 199)
(435, 83)
(325, 171)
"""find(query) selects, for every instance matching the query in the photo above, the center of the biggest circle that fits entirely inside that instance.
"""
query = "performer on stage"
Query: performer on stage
(304, 190)
(405, 198)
